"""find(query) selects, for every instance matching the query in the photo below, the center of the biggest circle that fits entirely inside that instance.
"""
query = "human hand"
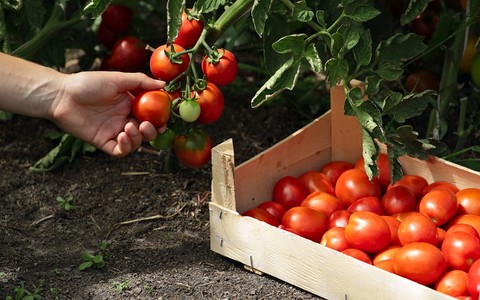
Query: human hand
(96, 107)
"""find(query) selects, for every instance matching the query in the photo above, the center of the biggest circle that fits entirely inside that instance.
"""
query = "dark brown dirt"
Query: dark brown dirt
(166, 257)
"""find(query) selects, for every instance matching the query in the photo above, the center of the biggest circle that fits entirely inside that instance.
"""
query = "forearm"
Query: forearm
(27, 88)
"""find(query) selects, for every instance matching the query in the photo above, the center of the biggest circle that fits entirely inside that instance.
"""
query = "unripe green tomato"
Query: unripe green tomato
(189, 110)
(475, 70)
(163, 141)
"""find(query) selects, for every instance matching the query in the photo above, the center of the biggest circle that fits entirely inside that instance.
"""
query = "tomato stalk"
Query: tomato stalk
(229, 16)
(51, 29)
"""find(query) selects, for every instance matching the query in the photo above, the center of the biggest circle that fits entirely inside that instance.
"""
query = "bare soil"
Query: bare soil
(163, 253)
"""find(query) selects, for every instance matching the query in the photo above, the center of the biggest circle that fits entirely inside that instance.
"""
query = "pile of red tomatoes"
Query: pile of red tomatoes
(427, 232)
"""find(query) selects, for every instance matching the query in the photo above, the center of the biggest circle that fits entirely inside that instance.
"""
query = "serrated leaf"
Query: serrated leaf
(320, 16)
(174, 18)
(370, 154)
(294, 43)
(259, 14)
(410, 106)
(207, 6)
(350, 35)
(414, 8)
(303, 15)
(311, 55)
(336, 43)
(284, 78)
(336, 70)
(95, 8)
(369, 116)
(396, 168)
(389, 70)
(413, 146)
(361, 13)
(400, 48)
(373, 84)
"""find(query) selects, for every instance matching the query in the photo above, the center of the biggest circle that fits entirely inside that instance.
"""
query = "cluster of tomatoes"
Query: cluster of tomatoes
(426, 232)
(188, 99)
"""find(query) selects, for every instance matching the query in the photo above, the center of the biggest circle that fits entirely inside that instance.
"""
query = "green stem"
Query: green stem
(229, 16)
(50, 30)
(461, 132)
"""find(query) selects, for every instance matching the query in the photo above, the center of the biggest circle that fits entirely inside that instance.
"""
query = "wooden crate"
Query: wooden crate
(291, 258)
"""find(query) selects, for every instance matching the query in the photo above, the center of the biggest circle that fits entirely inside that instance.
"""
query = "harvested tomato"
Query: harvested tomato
(398, 199)
(162, 67)
(316, 181)
(453, 283)
(439, 184)
(354, 184)
(193, 148)
(461, 250)
(211, 102)
(465, 228)
(421, 262)
(334, 238)
(367, 231)
(387, 265)
(440, 205)
(333, 169)
(275, 208)
(472, 220)
(358, 254)
(339, 218)
(152, 106)
(385, 254)
(309, 223)
(220, 68)
(468, 200)
(369, 203)
(383, 166)
(393, 223)
(417, 227)
(189, 31)
(289, 191)
(473, 280)
(323, 202)
(262, 215)
(415, 183)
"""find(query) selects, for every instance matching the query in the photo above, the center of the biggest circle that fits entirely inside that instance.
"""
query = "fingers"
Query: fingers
(133, 81)
(148, 131)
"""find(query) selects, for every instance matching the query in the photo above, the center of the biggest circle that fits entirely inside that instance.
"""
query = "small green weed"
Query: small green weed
(21, 293)
(121, 286)
(95, 260)
(65, 203)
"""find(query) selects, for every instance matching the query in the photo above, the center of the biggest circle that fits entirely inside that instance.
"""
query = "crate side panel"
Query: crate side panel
(223, 165)
(305, 264)
(307, 148)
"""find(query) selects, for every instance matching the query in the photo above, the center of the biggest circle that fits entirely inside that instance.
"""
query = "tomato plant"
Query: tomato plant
(152, 106)
(421, 262)
(289, 191)
(309, 223)
(193, 148)
(367, 231)
(220, 67)
(165, 66)
(211, 103)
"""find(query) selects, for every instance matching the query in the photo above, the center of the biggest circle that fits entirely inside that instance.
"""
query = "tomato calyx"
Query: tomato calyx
(215, 55)
(175, 57)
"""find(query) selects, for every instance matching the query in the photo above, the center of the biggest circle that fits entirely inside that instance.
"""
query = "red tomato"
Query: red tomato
(106, 36)
(358, 254)
(441, 233)
(385, 254)
(128, 55)
(461, 250)
(415, 183)
(194, 148)
(275, 208)
(283, 227)
(441, 185)
(453, 283)
(425, 23)
(323, 202)
(387, 265)
(189, 31)
(398, 199)
(422, 80)
(370, 203)
(221, 68)
(473, 280)
(383, 169)
(163, 68)
(367, 231)
(316, 181)
(333, 169)
(334, 238)
(309, 223)
(465, 228)
(289, 191)
(393, 224)
(117, 18)
(440, 205)
(421, 262)
(472, 220)
(417, 227)
(262, 215)
(468, 201)
(339, 218)
(152, 106)
(211, 104)
(354, 184)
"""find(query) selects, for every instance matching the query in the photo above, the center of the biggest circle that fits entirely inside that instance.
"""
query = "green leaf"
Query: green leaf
(389, 70)
(302, 12)
(336, 43)
(294, 43)
(320, 16)
(336, 69)
(414, 8)
(311, 55)
(361, 13)
(284, 78)
(174, 18)
(413, 146)
(205, 6)
(399, 48)
(411, 105)
(85, 265)
(363, 49)
(369, 116)
(87, 256)
(12, 4)
(373, 84)
(95, 8)
(396, 168)
(98, 259)
(370, 153)
(259, 14)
